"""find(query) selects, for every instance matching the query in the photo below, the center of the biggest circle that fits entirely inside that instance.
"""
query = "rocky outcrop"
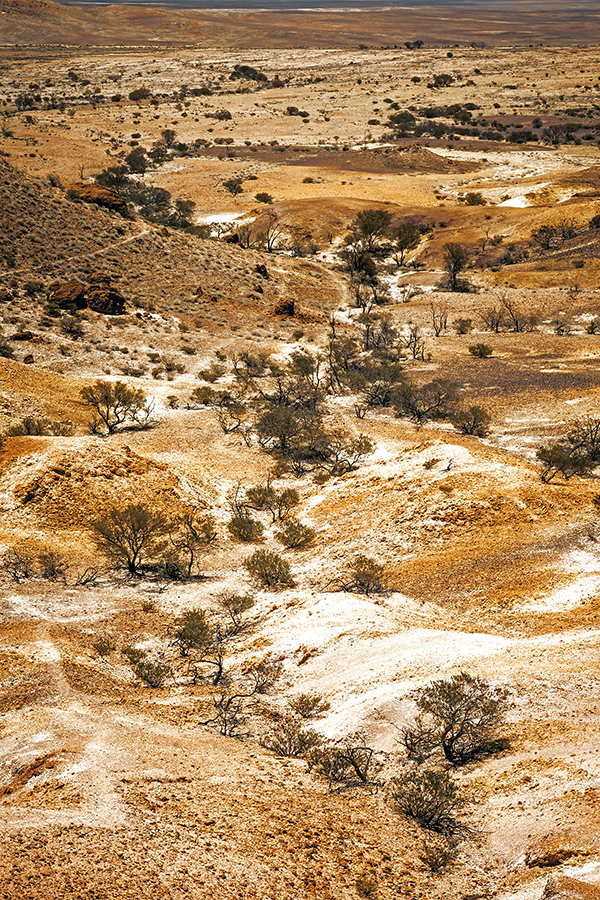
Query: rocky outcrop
(95, 193)
(72, 293)
(284, 307)
(98, 296)
(103, 298)
(560, 887)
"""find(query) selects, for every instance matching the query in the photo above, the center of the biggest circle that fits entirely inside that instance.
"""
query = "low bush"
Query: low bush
(269, 569)
(480, 351)
(433, 798)
(289, 738)
(154, 674)
(243, 528)
(296, 536)
(104, 645)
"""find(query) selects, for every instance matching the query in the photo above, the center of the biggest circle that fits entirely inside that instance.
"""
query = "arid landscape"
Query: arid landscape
(311, 302)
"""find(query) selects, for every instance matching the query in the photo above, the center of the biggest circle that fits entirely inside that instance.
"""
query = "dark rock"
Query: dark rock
(232, 239)
(103, 299)
(22, 336)
(72, 293)
(261, 270)
(285, 307)
(28, 359)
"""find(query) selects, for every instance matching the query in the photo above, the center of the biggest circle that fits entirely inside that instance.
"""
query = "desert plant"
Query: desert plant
(191, 631)
(269, 569)
(52, 565)
(296, 536)
(475, 198)
(131, 534)
(366, 887)
(233, 185)
(243, 528)
(232, 705)
(431, 797)
(460, 718)
(366, 576)
(234, 606)
(18, 564)
(133, 655)
(116, 406)
(456, 259)
(563, 458)
(473, 420)
(406, 237)
(266, 497)
(438, 856)
(290, 738)
(193, 533)
(431, 401)
(370, 225)
(594, 326)
(309, 706)
(30, 425)
(352, 765)
(104, 645)
(480, 351)
(584, 437)
(263, 197)
(439, 317)
(463, 326)
(154, 674)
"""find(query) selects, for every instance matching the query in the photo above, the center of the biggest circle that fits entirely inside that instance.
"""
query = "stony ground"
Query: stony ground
(109, 788)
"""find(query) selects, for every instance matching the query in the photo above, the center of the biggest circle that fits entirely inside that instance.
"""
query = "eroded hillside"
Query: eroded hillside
(384, 416)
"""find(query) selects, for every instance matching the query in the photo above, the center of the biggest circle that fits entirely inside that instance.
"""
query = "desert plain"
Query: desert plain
(239, 283)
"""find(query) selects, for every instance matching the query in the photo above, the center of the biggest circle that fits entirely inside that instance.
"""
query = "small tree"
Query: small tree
(234, 606)
(130, 535)
(270, 569)
(116, 406)
(565, 459)
(406, 237)
(459, 717)
(439, 318)
(191, 631)
(370, 225)
(353, 765)
(200, 643)
(456, 259)
(194, 533)
(473, 420)
(432, 798)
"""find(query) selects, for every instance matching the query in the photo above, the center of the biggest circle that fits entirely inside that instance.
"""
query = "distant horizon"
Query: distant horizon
(292, 6)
